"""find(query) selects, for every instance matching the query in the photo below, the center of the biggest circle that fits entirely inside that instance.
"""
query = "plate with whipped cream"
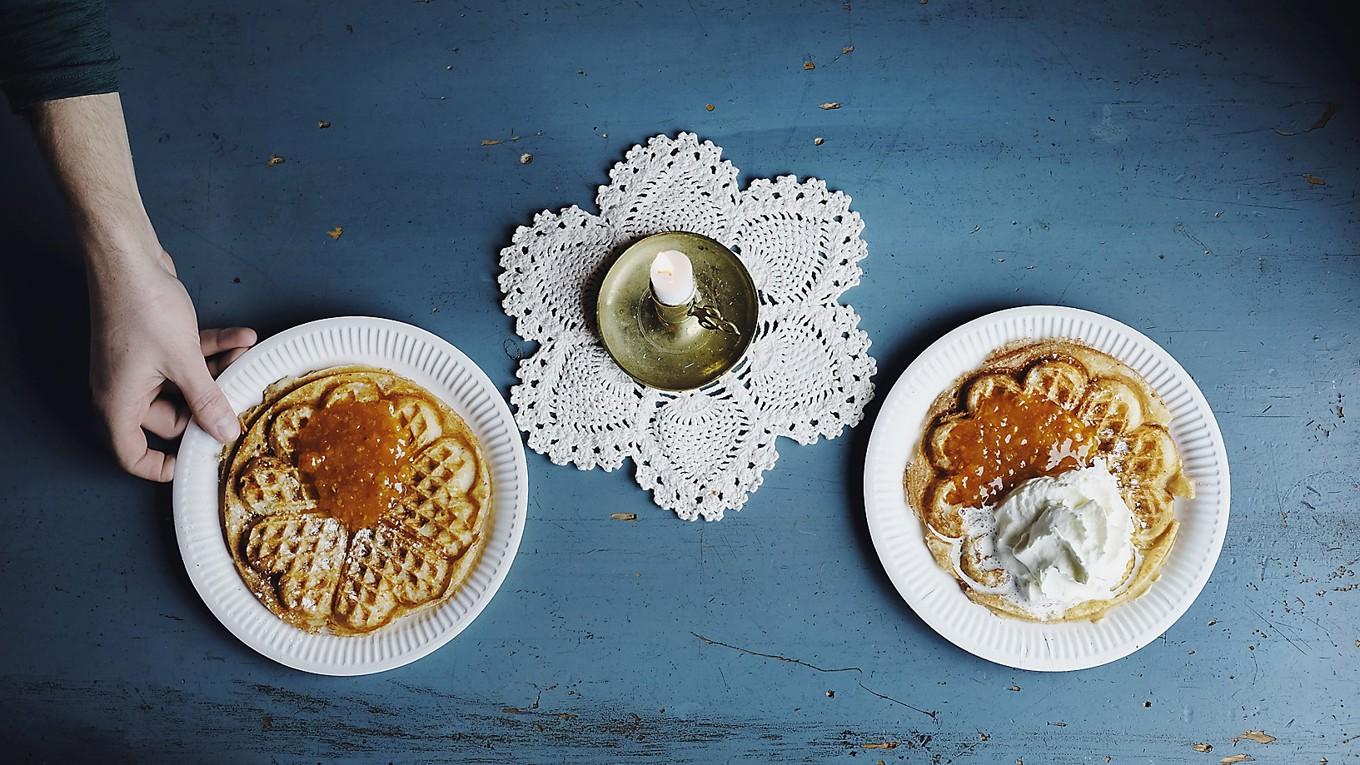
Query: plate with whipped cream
(1047, 488)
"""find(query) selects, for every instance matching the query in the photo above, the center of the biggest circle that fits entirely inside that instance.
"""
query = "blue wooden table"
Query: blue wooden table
(1134, 160)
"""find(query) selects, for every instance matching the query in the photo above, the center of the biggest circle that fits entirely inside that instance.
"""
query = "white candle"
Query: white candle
(672, 278)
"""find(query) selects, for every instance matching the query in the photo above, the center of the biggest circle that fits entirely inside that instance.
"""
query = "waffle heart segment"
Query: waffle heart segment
(284, 429)
(302, 556)
(384, 572)
(444, 505)
(1062, 382)
(271, 485)
(420, 420)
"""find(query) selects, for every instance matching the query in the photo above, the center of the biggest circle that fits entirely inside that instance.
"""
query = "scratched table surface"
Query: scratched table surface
(1176, 168)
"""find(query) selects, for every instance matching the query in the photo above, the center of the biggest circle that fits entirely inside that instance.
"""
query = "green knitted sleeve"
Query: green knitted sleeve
(51, 49)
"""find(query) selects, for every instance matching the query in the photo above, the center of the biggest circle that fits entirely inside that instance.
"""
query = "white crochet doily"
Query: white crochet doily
(806, 375)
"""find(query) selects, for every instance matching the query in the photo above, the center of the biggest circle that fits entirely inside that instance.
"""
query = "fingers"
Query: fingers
(206, 401)
(223, 346)
(215, 341)
(165, 418)
(222, 360)
(130, 447)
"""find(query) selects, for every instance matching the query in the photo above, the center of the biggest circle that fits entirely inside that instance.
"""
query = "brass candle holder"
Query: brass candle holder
(677, 347)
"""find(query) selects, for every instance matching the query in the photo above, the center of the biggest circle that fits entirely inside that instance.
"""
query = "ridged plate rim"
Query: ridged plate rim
(935, 595)
(414, 353)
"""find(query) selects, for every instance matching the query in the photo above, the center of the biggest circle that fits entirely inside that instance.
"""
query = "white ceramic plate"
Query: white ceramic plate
(412, 353)
(935, 595)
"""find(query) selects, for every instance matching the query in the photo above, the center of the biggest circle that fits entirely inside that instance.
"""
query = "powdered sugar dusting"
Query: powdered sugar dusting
(1059, 452)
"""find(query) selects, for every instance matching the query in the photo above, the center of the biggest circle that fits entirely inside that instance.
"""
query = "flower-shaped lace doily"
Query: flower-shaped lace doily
(807, 372)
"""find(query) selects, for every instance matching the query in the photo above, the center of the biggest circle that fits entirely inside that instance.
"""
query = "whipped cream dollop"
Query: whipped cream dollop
(1064, 539)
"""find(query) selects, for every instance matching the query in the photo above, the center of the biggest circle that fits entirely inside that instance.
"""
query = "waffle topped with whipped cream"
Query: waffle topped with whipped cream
(354, 497)
(1041, 415)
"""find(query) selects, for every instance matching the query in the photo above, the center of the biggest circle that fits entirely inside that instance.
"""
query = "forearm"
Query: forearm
(149, 364)
(86, 143)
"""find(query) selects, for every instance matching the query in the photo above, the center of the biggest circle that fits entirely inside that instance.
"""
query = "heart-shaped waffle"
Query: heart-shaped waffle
(302, 552)
(1040, 409)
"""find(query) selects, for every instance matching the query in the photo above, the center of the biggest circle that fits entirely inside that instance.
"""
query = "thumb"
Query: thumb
(206, 401)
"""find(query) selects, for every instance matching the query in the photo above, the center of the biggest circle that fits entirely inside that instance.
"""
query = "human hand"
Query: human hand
(151, 368)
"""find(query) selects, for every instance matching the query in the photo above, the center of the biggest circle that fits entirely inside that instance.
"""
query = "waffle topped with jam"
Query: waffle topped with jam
(1040, 409)
(354, 497)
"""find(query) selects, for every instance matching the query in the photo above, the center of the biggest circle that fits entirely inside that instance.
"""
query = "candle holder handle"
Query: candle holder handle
(711, 318)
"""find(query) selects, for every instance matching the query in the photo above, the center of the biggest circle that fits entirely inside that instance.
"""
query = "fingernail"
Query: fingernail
(227, 428)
